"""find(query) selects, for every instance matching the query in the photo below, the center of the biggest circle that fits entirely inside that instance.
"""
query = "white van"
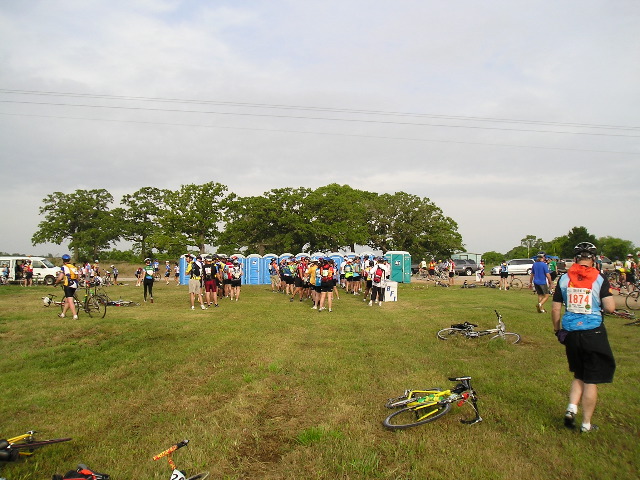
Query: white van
(43, 269)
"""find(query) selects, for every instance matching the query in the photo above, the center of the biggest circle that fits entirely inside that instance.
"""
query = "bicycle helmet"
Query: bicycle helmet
(147, 260)
(66, 257)
(585, 249)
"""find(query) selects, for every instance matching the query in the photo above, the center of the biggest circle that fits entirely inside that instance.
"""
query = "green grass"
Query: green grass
(265, 388)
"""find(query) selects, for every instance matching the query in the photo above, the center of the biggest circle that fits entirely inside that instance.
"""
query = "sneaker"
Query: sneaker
(291, 299)
(75, 317)
(569, 419)
(539, 308)
(315, 307)
(61, 315)
(151, 299)
(321, 309)
(203, 307)
(593, 428)
(370, 303)
(215, 305)
(193, 308)
(542, 310)
(330, 310)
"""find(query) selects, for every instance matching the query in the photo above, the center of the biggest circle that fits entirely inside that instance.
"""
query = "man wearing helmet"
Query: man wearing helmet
(69, 276)
(586, 296)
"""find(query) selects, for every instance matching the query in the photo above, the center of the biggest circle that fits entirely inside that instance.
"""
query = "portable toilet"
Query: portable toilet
(265, 278)
(252, 269)
(184, 280)
(318, 255)
(337, 258)
(284, 256)
(400, 262)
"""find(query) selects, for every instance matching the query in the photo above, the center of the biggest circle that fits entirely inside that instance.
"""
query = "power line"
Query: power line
(300, 117)
(379, 137)
(311, 108)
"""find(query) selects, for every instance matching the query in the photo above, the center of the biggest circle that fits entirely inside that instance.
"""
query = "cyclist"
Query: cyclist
(504, 275)
(585, 293)
(147, 282)
(69, 277)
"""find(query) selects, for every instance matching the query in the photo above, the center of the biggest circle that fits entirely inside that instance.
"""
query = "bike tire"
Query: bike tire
(633, 301)
(450, 333)
(103, 301)
(412, 417)
(507, 337)
(395, 402)
(199, 476)
(516, 284)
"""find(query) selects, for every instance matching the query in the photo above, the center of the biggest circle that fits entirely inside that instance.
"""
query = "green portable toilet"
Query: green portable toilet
(400, 262)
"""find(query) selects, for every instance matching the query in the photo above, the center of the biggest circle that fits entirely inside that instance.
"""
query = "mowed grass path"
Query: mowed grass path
(267, 388)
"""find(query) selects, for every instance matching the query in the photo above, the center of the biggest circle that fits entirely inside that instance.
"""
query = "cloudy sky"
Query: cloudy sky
(515, 118)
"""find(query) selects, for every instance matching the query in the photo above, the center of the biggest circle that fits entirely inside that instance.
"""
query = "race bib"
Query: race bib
(579, 300)
(177, 475)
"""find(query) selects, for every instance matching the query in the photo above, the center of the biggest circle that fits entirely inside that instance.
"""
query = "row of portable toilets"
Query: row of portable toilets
(256, 267)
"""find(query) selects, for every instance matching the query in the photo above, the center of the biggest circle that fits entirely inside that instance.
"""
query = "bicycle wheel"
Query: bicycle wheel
(507, 337)
(412, 417)
(450, 333)
(199, 476)
(632, 301)
(94, 305)
(516, 284)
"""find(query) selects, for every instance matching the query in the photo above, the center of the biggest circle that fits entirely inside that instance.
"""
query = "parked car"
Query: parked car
(465, 267)
(517, 266)
(43, 269)
(565, 264)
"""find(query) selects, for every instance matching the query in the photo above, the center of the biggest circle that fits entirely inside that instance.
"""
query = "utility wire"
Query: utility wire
(322, 133)
(321, 109)
(331, 119)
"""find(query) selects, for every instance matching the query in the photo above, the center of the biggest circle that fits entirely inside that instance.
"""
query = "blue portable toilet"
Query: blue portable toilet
(264, 267)
(284, 256)
(337, 258)
(184, 280)
(252, 269)
(400, 262)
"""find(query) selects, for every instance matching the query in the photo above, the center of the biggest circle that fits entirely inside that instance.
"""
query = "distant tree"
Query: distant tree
(532, 243)
(493, 258)
(337, 218)
(82, 217)
(273, 222)
(402, 221)
(195, 211)
(140, 217)
(615, 247)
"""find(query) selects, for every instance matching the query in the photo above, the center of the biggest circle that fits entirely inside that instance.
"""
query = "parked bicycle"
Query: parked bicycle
(24, 445)
(467, 330)
(633, 300)
(178, 474)
(417, 407)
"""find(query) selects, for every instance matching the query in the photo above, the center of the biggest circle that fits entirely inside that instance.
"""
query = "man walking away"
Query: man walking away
(586, 297)
(540, 279)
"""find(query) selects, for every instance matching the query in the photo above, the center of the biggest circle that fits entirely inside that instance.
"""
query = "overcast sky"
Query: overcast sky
(515, 118)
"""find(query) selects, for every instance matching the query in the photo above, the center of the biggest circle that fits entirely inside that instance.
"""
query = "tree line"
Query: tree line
(562, 246)
(168, 222)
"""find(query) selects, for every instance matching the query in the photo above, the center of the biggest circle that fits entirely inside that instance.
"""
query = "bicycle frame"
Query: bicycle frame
(177, 474)
(25, 444)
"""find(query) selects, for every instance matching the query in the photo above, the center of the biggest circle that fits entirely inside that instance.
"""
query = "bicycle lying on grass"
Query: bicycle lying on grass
(177, 474)
(467, 330)
(23, 445)
(92, 304)
(417, 407)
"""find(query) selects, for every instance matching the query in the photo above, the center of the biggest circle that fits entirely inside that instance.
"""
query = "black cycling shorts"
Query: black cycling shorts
(589, 355)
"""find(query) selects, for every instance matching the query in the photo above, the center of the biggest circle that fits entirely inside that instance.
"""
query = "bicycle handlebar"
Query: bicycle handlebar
(171, 449)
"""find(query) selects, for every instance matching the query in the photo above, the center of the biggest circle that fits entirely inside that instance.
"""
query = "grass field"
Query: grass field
(265, 388)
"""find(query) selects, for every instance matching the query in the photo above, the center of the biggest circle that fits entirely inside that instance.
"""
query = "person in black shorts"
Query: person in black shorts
(584, 292)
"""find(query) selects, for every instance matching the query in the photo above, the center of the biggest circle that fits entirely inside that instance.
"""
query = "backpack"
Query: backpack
(195, 269)
(235, 273)
(377, 276)
(326, 275)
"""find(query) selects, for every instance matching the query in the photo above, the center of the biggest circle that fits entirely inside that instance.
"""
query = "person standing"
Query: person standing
(274, 275)
(167, 271)
(115, 273)
(630, 273)
(210, 274)
(584, 292)
(176, 273)
(147, 279)
(379, 274)
(504, 275)
(326, 285)
(194, 271)
(540, 279)
(69, 277)
(236, 273)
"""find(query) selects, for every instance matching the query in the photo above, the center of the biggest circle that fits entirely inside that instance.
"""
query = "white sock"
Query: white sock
(586, 426)
(572, 408)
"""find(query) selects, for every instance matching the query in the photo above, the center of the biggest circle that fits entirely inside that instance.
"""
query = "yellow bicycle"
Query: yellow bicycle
(23, 445)
(417, 407)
